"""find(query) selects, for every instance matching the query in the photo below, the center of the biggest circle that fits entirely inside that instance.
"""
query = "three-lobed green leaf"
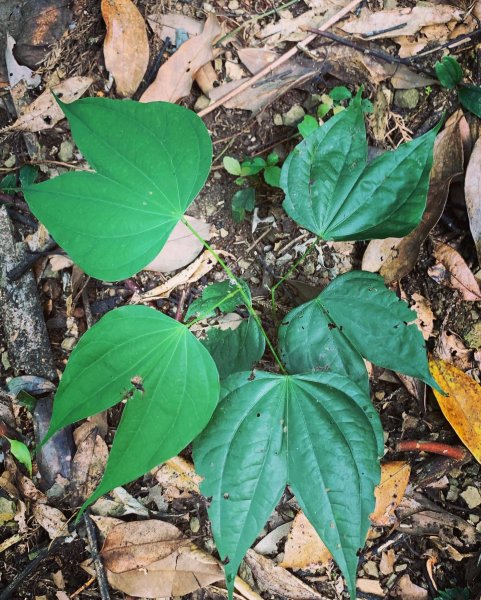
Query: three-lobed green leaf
(317, 433)
(169, 380)
(150, 161)
(332, 191)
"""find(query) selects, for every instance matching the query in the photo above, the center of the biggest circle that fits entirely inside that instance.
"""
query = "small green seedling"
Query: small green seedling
(20, 451)
(450, 76)
(305, 419)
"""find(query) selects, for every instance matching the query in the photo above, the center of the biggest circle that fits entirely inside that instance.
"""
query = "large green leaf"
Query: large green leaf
(151, 160)
(168, 378)
(318, 433)
(235, 350)
(370, 319)
(331, 191)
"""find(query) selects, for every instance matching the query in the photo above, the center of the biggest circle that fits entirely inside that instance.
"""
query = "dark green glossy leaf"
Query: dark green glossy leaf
(151, 160)
(332, 191)
(318, 433)
(168, 378)
(235, 350)
(243, 201)
(449, 72)
(224, 295)
(369, 317)
(470, 98)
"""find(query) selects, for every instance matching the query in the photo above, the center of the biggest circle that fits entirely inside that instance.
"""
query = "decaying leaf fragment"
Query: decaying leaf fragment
(304, 548)
(452, 270)
(126, 47)
(472, 191)
(390, 492)
(461, 405)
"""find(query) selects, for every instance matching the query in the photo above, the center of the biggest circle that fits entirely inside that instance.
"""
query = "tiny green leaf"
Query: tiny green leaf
(115, 221)
(470, 98)
(286, 423)
(168, 378)
(449, 72)
(322, 110)
(243, 201)
(27, 175)
(308, 125)
(20, 451)
(253, 166)
(367, 106)
(340, 93)
(224, 295)
(272, 159)
(231, 165)
(272, 176)
(235, 350)
(8, 184)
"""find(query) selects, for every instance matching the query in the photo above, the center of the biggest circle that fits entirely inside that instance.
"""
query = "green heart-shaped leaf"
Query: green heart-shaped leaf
(151, 160)
(168, 378)
(355, 314)
(318, 433)
(331, 191)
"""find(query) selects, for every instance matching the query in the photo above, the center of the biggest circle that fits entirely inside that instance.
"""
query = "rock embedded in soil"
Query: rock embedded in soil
(293, 115)
(471, 496)
(406, 98)
(66, 151)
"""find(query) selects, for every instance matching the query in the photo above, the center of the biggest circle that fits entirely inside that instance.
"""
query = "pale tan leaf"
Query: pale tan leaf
(269, 543)
(165, 26)
(451, 348)
(181, 248)
(88, 466)
(126, 47)
(405, 589)
(304, 548)
(44, 112)
(118, 504)
(51, 519)
(386, 564)
(425, 319)
(379, 252)
(453, 272)
(105, 524)
(256, 59)
(370, 586)
(175, 77)
(277, 580)
(180, 474)
(472, 191)
(58, 262)
(390, 491)
(16, 72)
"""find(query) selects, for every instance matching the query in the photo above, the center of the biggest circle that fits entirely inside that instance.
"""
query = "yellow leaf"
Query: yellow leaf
(461, 405)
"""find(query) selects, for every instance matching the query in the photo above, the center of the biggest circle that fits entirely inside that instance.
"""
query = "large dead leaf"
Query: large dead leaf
(390, 492)
(452, 271)
(51, 519)
(153, 559)
(472, 191)
(175, 77)
(461, 405)
(396, 257)
(277, 580)
(44, 112)
(126, 47)
(304, 548)
(400, 21)
(88, 466)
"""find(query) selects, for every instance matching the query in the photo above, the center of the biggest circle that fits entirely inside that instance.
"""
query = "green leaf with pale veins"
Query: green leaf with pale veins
(332, 191)
(150, 162)
(369, 320)
(224, 295)
(317, 433)
(167, 376)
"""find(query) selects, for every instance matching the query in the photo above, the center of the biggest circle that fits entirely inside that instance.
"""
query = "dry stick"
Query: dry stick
(281, 60)
(99, 567)
(455, 452)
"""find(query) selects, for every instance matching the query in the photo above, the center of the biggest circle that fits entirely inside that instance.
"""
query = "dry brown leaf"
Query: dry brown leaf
(179, 474)
(206, 78)
(51, 519)
(152, 558)
(453, 272)
(370, 586)
(175, 77)
(118, 504)
(386, 564)
(461, 405)
(44, 112)
(425, 320)
(277, 580)
(165, 26)
(304, 548)
(405, 589)
(390, 492)
(16, 72)
(472, 192)
(105, 524)
(181, 248)
(399, 255)
(400, 21)
(126, 47)
(451, 348)
(88, 466)
(256, 59)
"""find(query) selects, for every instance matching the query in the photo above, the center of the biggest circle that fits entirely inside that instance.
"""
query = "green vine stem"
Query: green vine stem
(246, 299)
(205, 315)
(289, 272)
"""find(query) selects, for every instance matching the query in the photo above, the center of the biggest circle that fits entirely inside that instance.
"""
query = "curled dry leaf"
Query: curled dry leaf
(472, 192)
(179, 474)
(119, 503)
(451, 348)
(453, 272)
(425, 320)
(181, 248)
(395, 257)
(461, 405)
(405, 589)
(304, 548)
(152, 558)
(51, 519)
(88, 466)
(390, 492)
(126, 47)
(175, 77)
(44, 112)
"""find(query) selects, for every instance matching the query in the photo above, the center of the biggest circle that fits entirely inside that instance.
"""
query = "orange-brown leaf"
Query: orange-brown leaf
(390, 491)
(126, 47)
(461, 405)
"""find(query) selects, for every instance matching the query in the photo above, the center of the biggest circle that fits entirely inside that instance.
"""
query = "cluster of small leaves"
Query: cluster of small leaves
(244, 200)
(269, 430)
(450, 76)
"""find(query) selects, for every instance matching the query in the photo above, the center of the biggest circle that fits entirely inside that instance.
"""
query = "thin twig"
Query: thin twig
(455, 452)
(281, 60)
(97, 561)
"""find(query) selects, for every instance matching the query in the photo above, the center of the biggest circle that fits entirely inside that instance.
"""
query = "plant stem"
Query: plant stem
(246, 299)
(205, 315)
(291, 270)
(455, 452)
